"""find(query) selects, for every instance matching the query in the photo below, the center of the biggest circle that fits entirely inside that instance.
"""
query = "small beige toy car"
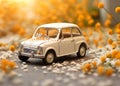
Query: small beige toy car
(53, 40)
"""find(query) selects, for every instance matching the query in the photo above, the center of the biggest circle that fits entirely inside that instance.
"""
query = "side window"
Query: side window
(52, 32)
(66, 32)
(42, 31)
(75, 32)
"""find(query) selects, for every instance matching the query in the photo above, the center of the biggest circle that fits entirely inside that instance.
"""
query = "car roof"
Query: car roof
(58, 25)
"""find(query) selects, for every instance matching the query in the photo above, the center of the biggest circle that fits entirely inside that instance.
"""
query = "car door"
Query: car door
(77, 36)
(66, 42)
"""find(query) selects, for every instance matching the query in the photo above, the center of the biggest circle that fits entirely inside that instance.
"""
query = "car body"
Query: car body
(53, 40)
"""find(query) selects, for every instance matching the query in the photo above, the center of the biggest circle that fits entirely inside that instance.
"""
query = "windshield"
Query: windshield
(46, 33)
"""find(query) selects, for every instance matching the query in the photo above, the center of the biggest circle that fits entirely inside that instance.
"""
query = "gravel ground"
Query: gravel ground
(65, 72)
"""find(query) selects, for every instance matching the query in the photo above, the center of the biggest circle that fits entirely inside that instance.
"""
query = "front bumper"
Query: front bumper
(31, 55)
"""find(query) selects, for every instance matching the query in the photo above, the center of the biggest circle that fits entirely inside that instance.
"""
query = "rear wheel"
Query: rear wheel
(82, 50)
(49, 58)
(23, 58)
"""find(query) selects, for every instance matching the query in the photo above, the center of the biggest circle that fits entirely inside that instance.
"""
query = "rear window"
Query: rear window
(75, 32)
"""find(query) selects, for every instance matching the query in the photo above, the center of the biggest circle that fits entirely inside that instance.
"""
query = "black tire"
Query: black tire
(23, 58)
(49, 57)
(82, 50)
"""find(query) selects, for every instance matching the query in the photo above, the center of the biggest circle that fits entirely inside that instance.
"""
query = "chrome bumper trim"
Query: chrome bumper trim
(32, 55)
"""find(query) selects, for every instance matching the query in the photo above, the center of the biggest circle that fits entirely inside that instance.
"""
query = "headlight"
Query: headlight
(39, 50)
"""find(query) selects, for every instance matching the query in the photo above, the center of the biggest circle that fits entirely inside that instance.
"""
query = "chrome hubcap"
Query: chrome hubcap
(82, 51)
(50, 58)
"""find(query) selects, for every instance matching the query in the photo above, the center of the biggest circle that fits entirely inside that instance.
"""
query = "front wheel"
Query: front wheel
(23, 58)
(82, 50)
(49, 58)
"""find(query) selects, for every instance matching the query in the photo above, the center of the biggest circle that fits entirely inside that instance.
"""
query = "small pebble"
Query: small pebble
(23, 63)
(24, 67)
(45, 72)
(44, 67)
(25, 70)
(95, 74)
(49, 68)
(35, 68)
(73, 69)
(19, 75)
(73, 63)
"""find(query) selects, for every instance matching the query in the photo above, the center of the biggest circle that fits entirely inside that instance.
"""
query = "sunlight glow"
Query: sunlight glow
(21, 1)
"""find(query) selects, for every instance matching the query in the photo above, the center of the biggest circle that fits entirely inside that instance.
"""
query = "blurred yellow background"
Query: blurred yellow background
(21, 16)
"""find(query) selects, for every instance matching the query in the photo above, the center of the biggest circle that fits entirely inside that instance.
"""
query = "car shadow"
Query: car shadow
(38, 62)
(67, 58)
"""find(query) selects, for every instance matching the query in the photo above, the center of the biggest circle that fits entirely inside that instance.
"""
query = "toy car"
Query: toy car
(53, 40)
